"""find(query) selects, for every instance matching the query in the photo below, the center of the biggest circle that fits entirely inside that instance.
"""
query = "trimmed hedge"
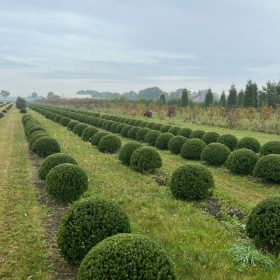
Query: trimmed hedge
(186, 132)
(109, 144)
(271, 147)
(264, 223)
(175, 144)
(192, 149)
(79, 129)
(174, 130)
(35, 138)
(127, 256)
(65, 121)
(86, 223)
(125, 130)
(52, 161)
(88, 133)
(97, 137)
(192, 182)
(250, 143)
(151, 137)
(126, 152)
(162, 140)
(66, 182)
(141, 133)
(165, 128)
(132, 132)
(210, 137)
(215, 154)
(229, 140)
(46, 146)
(268, 168)
(198, 134)
(145, 159)
(242, 161)
(71, 125)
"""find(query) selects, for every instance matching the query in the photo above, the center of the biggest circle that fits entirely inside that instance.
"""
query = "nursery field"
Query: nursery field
(202, 238)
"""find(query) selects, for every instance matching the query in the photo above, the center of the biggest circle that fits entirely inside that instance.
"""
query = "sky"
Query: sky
(68, 45)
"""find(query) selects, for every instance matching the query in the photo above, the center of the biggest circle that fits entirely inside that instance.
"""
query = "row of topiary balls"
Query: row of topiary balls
(92, 226)
(244, 160)
(5, 110)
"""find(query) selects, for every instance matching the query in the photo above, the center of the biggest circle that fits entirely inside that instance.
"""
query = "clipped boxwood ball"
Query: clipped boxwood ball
(65, 121)
(97, 137)
(198, 134)
(250, 143)
(109, 144)
(126, 152)
(88, 133)
(79, 129)
(192, 149)
(229, 140)
(174, 130)
(271, 147)
(127, 256)
(151, 137)
(71, 125)
(2, 115)
(46, 146)
(242, 161)
(119, 128)
(268, 168)
(175, 144)
(66, 182)
(264, 223)
(215, 154)
(141, 133)
(86, 223)
(186, 132)
(145, 159)
(132, 132)
(163, 139)
(192, 182)
(210, 137)
(165, 128)
(52, 161)
(125, 130)
(37, 136)
(33, 129)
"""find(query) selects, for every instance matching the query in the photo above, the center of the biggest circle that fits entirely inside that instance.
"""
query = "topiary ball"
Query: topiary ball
(88, 133)
(165, 128)
(242, 161)
(175, 144)
(192, 149)
(109, 144)
(46, 146)
(72, 124)
(192, 182)
(229, 140)
(125, 130)
(97, 137)
(37, 136)
(79, 129)
(268, 168)
(271, 147)
(250, 143)
(163, 139)
(132, 132)
(145, 159)
(126, 152)
(52, 161)
(33, 129)
(86, 223)
(215, 154)
(210, 137)
(198, 134)
(2, 115)
(65, 121)
(264, 223)
(127, 256)
(66, 182)
(174, 130)
(141, 133)
(151, 137)
(186, 132)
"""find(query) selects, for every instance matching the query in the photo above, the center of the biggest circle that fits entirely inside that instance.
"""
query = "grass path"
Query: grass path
(196, 242)
(23, 248)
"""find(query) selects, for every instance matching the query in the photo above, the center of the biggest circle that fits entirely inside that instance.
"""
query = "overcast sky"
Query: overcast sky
(65, 46)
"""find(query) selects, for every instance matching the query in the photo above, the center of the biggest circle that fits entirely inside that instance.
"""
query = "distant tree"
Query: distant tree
(4, 93)
(223, 100)
(162, 100)
(34, 94)
(51, 95)
(272, 91)
(209, 98)
(232, 96)
(262, 98)
(20, 103)
(185, 98)
(240, 98)
(251, 95)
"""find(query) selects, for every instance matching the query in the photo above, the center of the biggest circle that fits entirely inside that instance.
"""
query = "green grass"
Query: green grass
(197, 242)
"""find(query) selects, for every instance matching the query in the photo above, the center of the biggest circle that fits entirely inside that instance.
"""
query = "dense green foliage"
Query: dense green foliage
(79, 129)
(186, 132)
(97, 137)
(175, 144)
(46, 146)
(229, 140)
(21, 103)
(109, 144)
(271, 147)
(250, 143)
(192, 149)
(151, 137)
(174, 130)
(141, 133)
(88, 133)
(210, 137)
(197, 134)
(162, 140)
(126, 152)
(215, 154)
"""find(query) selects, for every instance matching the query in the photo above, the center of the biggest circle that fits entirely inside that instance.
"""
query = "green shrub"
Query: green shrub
(66, 182)
(150, 124)
(271, 147)
(126, 152)
(127, 256)
(23, 111)
(192, 149)
(165, 128)
(119, 128)
(86, 223)
(2, 115)
(250, 143)
(157, 126)
(163, 139)
(141, 133)
(88, 133)
(264, 223)
(79, 129)
(65, 121)
(125, 130)
(242, 161)
(192, 182)
(229, 140)
(145, 159)
(175, 144)
(215, 154)
(52, 161)
(97, 137)
(33, 129)
(114, 126)
(132, 132)
(33, 140)
(268, 168)
(151, 137)
(210, 137)
(71, 125)
(198, 134)
(46, 146)
(109, 144)
(186, 132)
(174, 130)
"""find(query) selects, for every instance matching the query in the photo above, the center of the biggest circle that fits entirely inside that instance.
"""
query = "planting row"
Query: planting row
(5, 110)
(242, 161)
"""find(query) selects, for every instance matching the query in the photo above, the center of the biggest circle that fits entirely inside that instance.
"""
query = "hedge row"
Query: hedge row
(5, 110)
